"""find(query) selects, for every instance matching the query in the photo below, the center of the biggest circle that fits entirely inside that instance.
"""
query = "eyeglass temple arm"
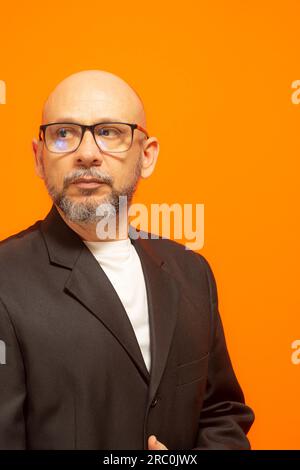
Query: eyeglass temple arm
(40, 133)
(140, 128)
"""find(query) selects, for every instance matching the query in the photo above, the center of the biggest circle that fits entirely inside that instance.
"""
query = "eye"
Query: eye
(63, 132)
(108, 132)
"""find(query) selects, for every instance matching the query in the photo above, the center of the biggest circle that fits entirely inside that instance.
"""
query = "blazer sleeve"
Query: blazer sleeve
(12, 386)
(225, 419)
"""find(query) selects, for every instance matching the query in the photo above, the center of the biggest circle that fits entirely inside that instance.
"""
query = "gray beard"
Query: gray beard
(84, 212)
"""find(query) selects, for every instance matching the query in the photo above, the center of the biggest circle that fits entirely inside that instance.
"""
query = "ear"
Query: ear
(37, 147)
(149, 157)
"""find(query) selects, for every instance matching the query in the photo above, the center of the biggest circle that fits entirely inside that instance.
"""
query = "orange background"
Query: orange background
(216, 81)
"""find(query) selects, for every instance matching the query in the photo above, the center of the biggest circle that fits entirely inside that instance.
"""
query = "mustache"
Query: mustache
(88, 172)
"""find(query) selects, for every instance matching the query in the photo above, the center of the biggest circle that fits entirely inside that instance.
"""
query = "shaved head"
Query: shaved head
(92, 95)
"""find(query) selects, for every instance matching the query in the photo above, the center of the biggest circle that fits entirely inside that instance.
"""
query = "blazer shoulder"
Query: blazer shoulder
(20, 242)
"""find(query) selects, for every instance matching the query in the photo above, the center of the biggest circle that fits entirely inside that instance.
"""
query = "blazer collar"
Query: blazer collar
(66, 248)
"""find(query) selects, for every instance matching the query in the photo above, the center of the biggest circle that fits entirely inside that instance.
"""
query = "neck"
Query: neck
(118, 228)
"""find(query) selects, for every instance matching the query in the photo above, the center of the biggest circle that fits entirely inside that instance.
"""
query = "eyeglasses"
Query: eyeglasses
(112, 137)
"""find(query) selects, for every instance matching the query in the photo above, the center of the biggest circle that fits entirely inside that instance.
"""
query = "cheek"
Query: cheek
(124, 171)
(55, 172)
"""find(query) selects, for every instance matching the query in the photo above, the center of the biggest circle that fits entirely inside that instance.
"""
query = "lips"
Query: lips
(88, 183)
(87, 180)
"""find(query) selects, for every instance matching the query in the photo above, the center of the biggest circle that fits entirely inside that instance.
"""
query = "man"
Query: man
(110, 343)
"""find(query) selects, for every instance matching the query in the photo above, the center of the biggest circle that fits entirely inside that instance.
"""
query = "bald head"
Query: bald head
(92, 96)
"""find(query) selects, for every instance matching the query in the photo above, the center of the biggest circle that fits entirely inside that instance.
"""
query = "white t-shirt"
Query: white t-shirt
(121, 263)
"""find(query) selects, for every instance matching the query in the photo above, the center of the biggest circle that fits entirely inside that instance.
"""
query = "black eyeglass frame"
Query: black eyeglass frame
(84, 128)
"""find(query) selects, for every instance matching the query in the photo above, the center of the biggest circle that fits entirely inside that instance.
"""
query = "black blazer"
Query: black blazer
(74, 376)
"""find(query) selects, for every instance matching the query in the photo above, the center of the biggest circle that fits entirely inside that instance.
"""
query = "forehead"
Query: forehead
(88, 106)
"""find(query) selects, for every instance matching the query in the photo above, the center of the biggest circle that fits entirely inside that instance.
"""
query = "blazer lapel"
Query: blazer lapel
(89, 284)
(163, 300)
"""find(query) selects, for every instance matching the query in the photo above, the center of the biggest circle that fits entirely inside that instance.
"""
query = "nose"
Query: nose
(88, 151)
